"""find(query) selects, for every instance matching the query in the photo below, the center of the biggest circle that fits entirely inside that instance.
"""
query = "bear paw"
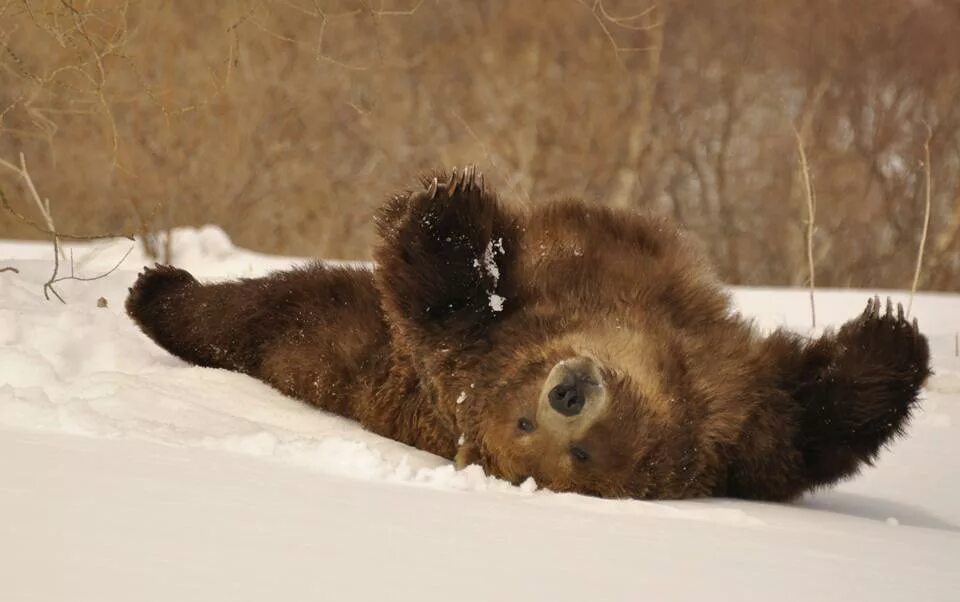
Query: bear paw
(155, 283)
(888, 338)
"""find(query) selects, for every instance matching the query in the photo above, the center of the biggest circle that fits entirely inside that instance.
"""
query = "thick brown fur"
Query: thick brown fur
(475, 310)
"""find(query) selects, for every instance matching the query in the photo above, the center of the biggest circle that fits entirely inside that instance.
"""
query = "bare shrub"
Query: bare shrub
(42, 205)
(287, 121)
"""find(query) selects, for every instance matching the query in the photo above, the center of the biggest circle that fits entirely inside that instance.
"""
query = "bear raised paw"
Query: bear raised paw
(588, 348)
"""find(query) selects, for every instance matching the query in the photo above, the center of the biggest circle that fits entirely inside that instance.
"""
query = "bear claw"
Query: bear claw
(466, 182)
(454, 182)
(872, 311)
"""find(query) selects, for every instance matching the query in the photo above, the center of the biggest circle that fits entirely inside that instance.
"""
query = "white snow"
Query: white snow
(489, 259)
(488, 265)
(126, 474)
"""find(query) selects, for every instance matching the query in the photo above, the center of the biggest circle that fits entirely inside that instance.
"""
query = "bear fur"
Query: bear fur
(588, 348)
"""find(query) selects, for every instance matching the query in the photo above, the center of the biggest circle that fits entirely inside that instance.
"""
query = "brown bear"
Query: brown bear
(588, 348)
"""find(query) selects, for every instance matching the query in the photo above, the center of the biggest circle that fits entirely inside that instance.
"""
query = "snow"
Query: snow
(127, 474)
(488, 265)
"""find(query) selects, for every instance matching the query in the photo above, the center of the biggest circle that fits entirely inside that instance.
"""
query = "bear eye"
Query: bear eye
(525, 425)
(579, 454)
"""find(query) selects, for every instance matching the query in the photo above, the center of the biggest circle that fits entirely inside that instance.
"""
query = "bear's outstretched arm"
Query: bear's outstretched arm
(184, 317)
(316, 333)
(847, 394)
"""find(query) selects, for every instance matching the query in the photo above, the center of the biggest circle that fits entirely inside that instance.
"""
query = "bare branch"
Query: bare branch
(399, 13)
(811, 216)
(43, 206)
(486, 153)
(627, 22)
(115, 267)
(48, 285)
(926, 217)
(603, 17)
(244, 17)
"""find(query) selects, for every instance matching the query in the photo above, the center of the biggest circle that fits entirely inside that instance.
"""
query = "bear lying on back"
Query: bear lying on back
(588, 348)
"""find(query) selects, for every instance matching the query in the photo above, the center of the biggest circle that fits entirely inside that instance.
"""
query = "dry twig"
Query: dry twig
(926, 218)
(629, 23)
(43, 206)
(514, 180)
(5, 203)
(811, 215)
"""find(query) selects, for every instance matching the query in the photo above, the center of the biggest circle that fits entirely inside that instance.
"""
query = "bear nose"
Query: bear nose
(568, 398)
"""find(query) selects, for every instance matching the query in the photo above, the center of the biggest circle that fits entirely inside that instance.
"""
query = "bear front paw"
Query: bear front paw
(155, 283)
(888, 338)
(445, 254)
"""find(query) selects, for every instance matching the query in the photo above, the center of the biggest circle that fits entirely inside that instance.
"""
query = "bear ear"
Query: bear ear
(444, 258)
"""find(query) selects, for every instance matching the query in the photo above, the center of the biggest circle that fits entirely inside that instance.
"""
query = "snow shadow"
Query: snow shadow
(864, 506)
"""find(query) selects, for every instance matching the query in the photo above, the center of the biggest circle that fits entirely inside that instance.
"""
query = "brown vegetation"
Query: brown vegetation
(286, 121)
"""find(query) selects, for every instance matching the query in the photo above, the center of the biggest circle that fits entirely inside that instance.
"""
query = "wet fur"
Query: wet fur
(707, 405)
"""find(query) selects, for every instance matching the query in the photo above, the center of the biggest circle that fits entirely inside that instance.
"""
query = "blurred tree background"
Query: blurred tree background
(287, 122)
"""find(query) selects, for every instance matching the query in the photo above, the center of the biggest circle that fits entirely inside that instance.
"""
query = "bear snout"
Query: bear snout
(568, 398)
(573, 397)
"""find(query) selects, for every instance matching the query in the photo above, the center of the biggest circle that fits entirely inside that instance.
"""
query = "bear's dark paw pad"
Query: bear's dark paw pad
(888, 336)
(155, 283)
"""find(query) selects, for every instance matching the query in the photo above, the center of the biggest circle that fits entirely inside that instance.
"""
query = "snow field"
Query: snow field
(126, 474)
